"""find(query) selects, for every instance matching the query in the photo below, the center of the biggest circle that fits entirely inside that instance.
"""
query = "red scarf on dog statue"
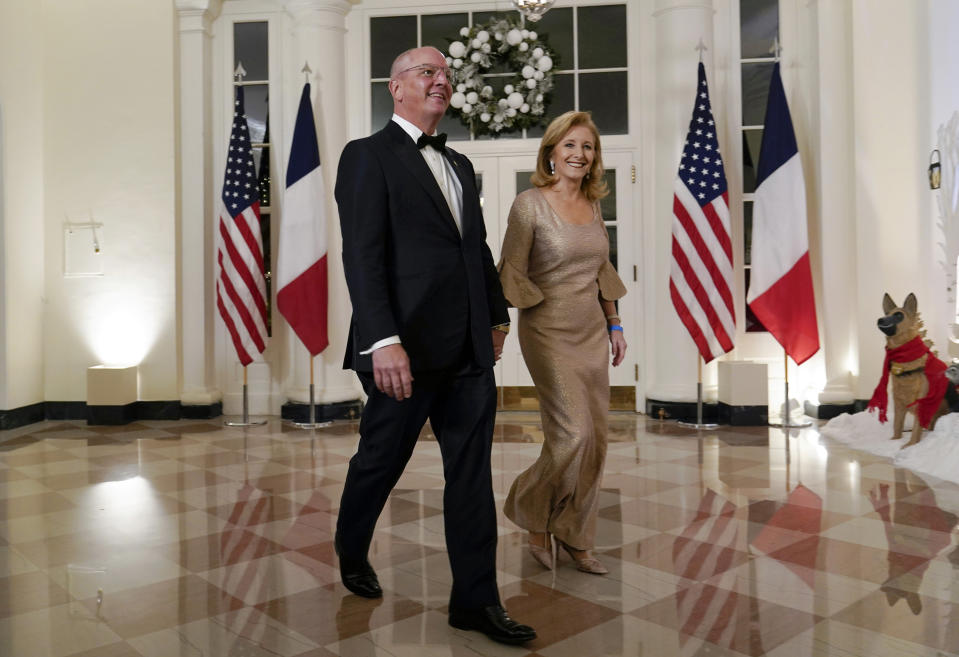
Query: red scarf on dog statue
(935, 372)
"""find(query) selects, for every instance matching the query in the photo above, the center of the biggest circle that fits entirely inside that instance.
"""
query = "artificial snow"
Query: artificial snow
(937, 454)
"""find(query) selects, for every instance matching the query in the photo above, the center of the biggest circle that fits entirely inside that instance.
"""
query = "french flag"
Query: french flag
(780, 286)
(302, 283)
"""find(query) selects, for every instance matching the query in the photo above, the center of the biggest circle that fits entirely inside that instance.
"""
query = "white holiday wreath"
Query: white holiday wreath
(522, 102)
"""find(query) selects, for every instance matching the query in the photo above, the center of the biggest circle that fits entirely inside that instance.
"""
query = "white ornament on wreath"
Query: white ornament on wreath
(481, 48)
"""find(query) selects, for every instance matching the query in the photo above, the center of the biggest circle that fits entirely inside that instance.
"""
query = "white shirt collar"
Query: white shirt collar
(408, 127)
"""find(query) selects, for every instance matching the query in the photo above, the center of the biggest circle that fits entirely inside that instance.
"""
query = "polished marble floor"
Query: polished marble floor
(170, 539)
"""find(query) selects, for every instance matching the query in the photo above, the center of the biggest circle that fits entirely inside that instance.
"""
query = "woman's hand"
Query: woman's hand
(618, 344)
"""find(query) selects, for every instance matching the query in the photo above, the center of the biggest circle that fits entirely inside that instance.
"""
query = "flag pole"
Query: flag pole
(699, 424)
(312, 424)
(246, 421)
(787, 421)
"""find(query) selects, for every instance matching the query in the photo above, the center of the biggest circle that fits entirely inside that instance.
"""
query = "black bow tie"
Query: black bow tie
(438, 142)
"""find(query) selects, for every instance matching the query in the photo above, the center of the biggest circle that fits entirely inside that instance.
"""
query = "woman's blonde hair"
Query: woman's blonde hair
(594, 184)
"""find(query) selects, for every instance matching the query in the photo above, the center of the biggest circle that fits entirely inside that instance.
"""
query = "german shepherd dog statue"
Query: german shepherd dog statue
(919, 383)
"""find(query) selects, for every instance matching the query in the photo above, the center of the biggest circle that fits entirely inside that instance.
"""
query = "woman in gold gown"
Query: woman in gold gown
(555, 268)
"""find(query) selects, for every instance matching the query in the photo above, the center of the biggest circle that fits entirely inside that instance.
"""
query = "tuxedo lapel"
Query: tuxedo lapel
(470, 193)
(413, 161)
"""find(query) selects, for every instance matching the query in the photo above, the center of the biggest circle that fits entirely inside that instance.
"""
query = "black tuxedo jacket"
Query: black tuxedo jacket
(408, 270)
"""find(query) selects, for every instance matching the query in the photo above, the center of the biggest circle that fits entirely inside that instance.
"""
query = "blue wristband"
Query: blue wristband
(615, 327)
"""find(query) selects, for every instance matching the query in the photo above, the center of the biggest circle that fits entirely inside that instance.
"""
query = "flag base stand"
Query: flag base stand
(786, 421)
(790, 423)
(246, 421)
(699, 424)
(312, 424)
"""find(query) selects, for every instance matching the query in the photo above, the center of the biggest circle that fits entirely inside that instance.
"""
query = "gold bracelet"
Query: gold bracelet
(610, 318)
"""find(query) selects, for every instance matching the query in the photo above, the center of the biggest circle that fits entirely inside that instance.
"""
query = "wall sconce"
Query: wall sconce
(935, 170)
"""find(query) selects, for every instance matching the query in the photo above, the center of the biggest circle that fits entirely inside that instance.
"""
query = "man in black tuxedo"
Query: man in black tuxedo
(429, 321)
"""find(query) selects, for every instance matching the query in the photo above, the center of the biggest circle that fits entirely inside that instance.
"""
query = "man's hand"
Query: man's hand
(499, 338)
(391, 372)
(618, 344)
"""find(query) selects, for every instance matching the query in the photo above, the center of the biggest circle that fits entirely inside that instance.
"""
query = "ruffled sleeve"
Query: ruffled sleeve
(519, 290)
(611, 286)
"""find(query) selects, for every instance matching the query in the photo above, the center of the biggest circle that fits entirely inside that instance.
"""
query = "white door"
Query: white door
(501, 179)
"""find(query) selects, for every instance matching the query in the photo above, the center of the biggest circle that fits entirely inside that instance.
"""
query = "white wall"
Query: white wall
(891, 142)
(108, 125)
(21, 205)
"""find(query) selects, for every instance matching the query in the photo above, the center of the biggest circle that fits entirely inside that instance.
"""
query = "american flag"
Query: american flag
(715, 612)
(240, 276)
(701, 275)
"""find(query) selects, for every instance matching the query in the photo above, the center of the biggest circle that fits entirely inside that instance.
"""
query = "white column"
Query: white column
(195, 292)
(319, 29)
(670, 351)
(835, 154)
(889, 57)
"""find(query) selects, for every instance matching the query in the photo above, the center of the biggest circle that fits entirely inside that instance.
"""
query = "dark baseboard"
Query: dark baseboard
(686, 411)
(19, 417)
(743, 416)
(300, 412)
(201, 411)
(158, 410)
(829, 411)
(106, 415)
(112, 415)
(65, 410)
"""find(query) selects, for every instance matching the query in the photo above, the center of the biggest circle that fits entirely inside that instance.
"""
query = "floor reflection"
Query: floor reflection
(191, 538)
(917, 530)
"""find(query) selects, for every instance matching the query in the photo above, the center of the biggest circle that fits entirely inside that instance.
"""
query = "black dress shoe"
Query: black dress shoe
(494, 622)
(358, 575)
(362, 582)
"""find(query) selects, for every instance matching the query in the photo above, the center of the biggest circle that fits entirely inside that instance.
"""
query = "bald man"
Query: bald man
(429, 322)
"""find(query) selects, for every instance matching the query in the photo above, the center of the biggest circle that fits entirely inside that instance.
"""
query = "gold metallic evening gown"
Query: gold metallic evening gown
(555, 272)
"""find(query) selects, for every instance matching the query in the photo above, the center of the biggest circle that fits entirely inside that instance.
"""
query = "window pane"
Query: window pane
(250, 48)
(561, 99)
(755, 92)
(748, 232)
(602, 36)
(604, 94)
(753, 325)
(389, 36)
(255, 103)
(613, 250)
(607, 205)
(759, 25)
(382, 103)
(438, 30)
(556, 27)
(752, 139)
(522, 181)
(487, 16)
(453, 127)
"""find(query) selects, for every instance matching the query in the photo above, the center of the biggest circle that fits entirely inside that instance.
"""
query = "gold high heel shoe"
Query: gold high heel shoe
(544, 555)
(586, 564)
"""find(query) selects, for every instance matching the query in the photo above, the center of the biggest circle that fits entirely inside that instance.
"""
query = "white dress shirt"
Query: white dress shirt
(449, 185)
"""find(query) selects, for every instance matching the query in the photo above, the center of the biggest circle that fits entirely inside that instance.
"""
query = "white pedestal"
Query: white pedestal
(112, 393)
(743, 393)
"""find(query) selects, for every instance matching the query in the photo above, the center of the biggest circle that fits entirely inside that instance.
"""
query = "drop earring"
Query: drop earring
(552, 168)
